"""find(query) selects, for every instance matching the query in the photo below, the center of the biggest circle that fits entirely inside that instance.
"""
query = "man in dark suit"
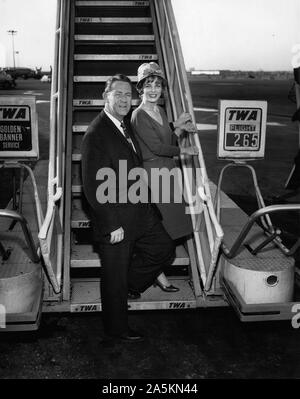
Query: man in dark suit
(131, 241)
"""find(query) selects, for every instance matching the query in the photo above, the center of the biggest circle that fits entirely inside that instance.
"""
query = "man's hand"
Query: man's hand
(117, 235)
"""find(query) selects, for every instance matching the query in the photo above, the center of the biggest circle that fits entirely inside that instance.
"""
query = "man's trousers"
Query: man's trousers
(133, 263)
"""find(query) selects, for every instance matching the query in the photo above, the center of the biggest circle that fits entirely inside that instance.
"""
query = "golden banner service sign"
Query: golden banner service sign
(18, 128)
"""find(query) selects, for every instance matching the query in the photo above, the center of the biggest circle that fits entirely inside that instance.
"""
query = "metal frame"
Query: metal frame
(266, 221)
(181, 100)
(252, 219)
(69, 148)
(262, 214)
(56, 177)
(17, 165)
(17, 217)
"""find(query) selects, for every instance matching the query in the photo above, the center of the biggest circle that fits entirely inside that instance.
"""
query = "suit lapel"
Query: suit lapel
(137, 153)
(123, 139)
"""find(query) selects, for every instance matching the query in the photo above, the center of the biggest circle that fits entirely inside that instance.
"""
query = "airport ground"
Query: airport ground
(191, 344)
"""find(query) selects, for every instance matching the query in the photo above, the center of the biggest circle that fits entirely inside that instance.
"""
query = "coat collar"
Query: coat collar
(116, 131)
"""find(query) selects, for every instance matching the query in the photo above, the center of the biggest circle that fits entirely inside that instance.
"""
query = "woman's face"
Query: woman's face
(152, 90)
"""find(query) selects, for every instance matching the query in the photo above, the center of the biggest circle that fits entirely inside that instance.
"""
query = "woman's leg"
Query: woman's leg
(162, 279)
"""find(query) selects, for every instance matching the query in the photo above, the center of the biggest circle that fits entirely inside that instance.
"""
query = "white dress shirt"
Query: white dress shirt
(118, 125)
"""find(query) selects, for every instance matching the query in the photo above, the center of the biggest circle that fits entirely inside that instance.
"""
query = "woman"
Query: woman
(158, 145)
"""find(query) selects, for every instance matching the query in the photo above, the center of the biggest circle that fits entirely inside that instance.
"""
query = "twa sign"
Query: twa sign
(18, 128)
(242, 129)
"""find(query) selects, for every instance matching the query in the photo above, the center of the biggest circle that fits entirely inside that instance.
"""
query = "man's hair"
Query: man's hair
(116, 78)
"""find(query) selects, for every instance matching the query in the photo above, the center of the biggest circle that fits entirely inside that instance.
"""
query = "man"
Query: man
(131, 241)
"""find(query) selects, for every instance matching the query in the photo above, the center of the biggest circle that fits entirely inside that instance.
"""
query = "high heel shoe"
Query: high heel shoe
(166, 288)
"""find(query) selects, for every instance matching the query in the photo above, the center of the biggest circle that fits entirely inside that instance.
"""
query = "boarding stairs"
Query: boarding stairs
(94, 40)
(108, 37)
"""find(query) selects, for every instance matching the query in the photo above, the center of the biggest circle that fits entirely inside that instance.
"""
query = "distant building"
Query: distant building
(205, 72)
(228, 74)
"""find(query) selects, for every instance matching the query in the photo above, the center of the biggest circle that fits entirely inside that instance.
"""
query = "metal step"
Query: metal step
(76, 179)
(117, 38)
(76, 189)
(89, 102)
(106, 67)
(76, 156)
(98, 78)
(83, 256)
(93, 91)
(113, 29)
(79, 218)
(99, 20)
(103, 48)
(86, 297)
(97, 103)
(115, 57)
(111, 3)
(80, 128)
(84, 116)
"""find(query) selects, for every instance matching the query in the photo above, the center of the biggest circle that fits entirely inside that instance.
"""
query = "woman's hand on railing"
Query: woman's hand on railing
(190, 127)
(182, 120)
(184, 124)
(193, 150)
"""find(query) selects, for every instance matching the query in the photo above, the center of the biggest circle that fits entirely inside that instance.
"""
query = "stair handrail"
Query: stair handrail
(12, 164)
(231, 253)
(16, 216)
(57, 116)
(58, 106)
(176, 75)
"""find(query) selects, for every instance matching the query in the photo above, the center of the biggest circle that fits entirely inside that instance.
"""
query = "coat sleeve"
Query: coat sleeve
(95, 157)
(144, 129)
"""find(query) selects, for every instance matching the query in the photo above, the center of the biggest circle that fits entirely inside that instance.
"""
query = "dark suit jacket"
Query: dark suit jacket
(103, 146)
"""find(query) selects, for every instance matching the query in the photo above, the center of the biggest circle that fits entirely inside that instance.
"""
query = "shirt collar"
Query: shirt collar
(114, 120)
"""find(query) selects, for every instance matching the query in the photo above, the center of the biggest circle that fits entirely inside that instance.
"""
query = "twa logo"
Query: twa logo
(242, 115)
(2, 316)
(14, 113)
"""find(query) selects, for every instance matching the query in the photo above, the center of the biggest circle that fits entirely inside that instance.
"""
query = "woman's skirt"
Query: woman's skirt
(167, 192)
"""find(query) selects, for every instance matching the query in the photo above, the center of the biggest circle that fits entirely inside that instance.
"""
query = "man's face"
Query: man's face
(118, 100)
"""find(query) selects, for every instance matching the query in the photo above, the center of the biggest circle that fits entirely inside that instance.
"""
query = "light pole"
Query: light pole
(12, 33)
(17, 53)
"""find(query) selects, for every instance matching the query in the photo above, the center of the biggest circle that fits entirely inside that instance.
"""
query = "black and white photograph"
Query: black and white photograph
(149, 193)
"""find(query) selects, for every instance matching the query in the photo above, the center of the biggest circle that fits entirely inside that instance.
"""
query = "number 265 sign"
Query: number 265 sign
(242, 129)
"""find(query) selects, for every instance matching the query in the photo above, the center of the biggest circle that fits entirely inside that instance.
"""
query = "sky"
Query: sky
(238, 34)
(214, 34)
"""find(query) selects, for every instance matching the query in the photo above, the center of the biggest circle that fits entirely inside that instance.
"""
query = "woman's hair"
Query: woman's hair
(150, 79)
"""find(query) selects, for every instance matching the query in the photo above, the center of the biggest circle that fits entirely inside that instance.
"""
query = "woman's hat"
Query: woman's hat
(149, 69)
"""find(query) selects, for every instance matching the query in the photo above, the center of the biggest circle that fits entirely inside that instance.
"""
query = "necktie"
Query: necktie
(128, 138)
